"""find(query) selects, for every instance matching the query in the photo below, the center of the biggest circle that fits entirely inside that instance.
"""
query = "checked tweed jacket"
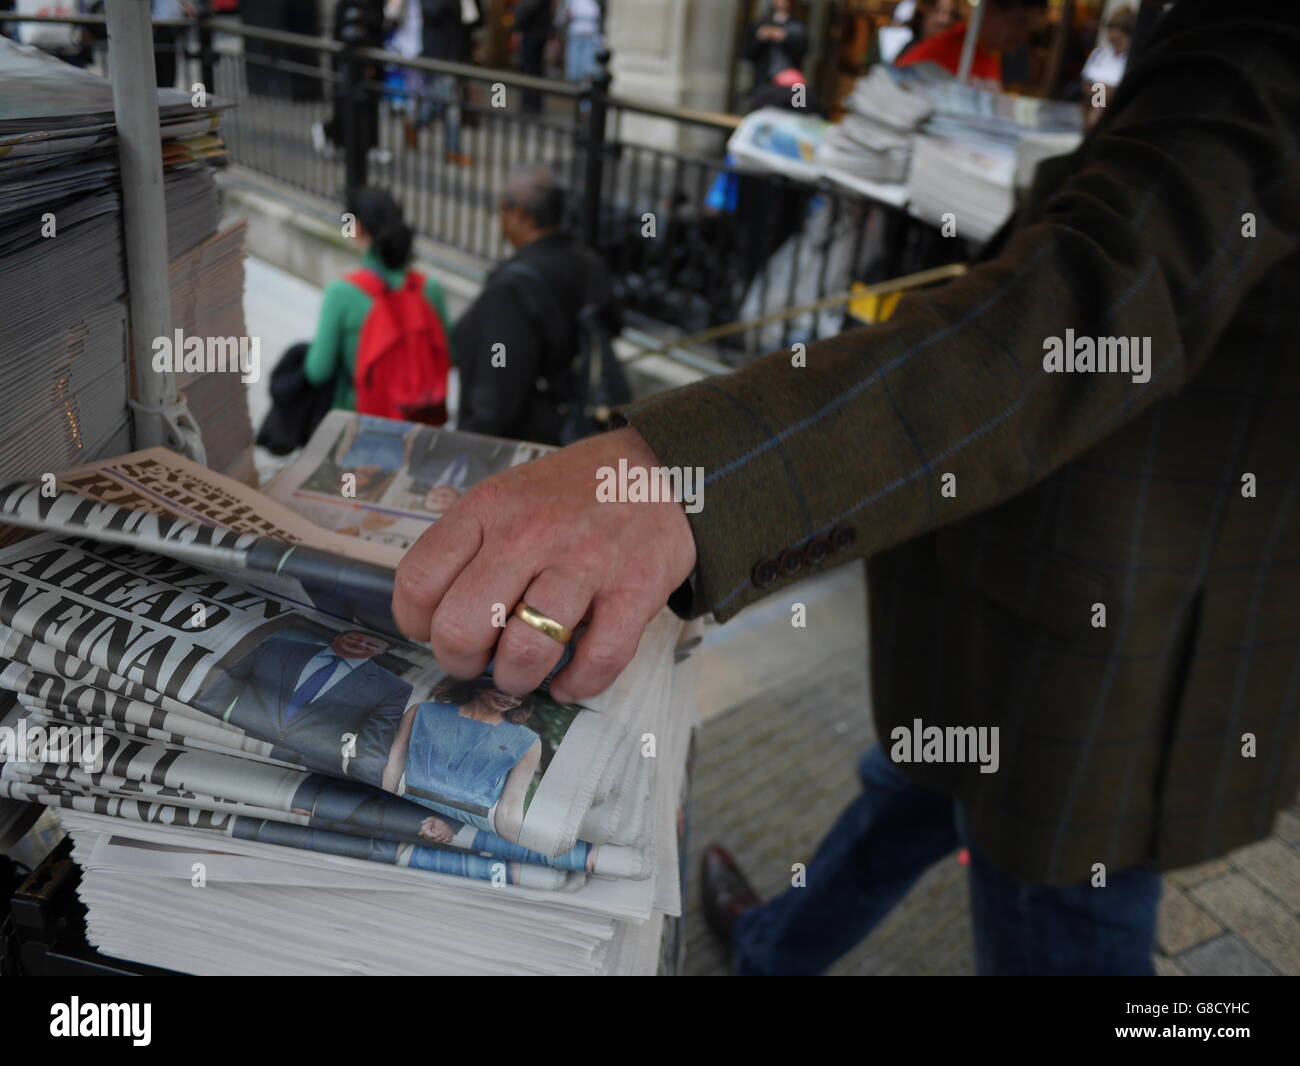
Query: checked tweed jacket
(1171, 734)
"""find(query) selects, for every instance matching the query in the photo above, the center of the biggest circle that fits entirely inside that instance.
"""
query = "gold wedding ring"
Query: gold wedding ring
(549, 626)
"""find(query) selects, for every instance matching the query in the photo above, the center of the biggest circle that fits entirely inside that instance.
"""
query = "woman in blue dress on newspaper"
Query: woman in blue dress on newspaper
(480, 855)
(468, 753)
(486, 856)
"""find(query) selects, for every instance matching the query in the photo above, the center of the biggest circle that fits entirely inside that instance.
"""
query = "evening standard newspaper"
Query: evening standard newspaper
(137, 759)
(173, 784)
(158, 481)
(230, 682)
(324, 694)
(383, 482)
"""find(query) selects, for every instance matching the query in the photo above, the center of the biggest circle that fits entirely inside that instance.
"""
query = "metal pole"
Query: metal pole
(813, 64)
(356, 131)
(599, 106)
(1056, 52)
(972, 35)
(160, 415)
(207, 57)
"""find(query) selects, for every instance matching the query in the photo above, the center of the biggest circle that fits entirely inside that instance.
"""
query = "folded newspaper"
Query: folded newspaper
(195, 658)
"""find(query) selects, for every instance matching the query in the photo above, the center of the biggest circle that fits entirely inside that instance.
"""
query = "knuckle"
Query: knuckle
(411, 583)
(484, 498)
(606, 658)
(525, 653)
(452, 636)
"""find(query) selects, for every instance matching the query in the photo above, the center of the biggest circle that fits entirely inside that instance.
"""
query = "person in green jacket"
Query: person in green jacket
(386, 239)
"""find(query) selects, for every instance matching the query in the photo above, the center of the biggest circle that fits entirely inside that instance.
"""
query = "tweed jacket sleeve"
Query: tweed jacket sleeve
(1185, 196)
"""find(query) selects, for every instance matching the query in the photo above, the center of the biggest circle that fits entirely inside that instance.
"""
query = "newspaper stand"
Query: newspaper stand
(47, 929)
(43, 907)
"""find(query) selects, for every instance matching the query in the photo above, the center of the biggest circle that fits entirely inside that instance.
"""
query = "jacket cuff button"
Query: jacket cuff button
(790, 562)
(842, 538)
(815, 551)
(764, 573)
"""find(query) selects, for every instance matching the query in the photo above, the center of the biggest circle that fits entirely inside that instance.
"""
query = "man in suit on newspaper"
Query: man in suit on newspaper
(1075, 472)
(309, 698)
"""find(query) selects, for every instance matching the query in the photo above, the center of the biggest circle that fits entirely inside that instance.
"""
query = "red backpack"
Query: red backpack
(402, 355)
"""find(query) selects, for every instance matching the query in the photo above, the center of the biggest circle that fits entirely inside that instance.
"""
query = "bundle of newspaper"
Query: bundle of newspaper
(207, 313)
(245, 724)
(964, 161)
(963, 180)
(63, 328)
(874, 138)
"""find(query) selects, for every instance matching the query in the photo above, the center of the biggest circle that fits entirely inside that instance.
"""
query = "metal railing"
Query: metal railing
(434, 138)
(694, 244)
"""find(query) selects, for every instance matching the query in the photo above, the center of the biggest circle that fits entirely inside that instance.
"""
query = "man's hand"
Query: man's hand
(537, 534)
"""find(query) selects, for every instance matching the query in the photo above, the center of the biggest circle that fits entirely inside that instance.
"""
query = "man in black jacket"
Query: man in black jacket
(306, 697)
(516, 344)
(446, 33)
(447, 36)
(779, 41)
(534, 22)
(359, 23)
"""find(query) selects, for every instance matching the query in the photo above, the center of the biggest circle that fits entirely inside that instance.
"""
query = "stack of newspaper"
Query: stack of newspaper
(207, 305)
(63, 321)
(964, 180)
(193, 207)
(874, 138)
(207, 294)
(964, 161)
(258, 780)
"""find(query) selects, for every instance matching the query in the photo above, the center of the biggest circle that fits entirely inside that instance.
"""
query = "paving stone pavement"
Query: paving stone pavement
(771, 776)
(773, 773)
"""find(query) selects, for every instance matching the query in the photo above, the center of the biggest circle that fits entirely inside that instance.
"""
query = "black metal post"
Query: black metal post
(597, 98)
(207, 57)
(356, 136)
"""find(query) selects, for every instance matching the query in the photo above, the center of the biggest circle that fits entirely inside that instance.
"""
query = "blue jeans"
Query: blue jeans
(580, 56)
(882, 844)
(443, 101)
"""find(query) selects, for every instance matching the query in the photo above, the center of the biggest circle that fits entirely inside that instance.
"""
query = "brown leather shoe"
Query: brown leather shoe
(724, 890)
